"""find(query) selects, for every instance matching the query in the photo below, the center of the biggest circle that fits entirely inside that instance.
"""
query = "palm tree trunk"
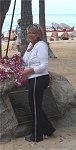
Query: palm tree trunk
(42, 23)
(42, 16)
(26, 17)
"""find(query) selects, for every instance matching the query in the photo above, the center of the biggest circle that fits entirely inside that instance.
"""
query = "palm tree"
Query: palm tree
(42, 16)
(42, 23)
(4, 6)
(26, 16)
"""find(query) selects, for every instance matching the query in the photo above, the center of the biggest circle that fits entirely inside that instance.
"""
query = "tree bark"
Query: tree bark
(42, 16)
(42, 23)
(4, 6)
(27, 19)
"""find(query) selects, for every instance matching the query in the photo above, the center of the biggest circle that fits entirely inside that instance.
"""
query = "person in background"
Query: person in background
(36, 70)
(65, 35)
(13, 35)
(54, 36)
(18, 33)
(2, 36)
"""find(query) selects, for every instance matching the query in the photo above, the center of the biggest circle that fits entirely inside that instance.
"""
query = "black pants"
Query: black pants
(41, 123)
(65, 38)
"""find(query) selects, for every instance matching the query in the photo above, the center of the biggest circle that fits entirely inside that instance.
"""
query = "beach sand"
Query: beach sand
(65, 65)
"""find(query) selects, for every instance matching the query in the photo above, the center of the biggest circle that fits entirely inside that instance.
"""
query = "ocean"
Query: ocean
(69, 19)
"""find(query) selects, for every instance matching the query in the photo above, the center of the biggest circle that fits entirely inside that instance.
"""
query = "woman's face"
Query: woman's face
(32, 36)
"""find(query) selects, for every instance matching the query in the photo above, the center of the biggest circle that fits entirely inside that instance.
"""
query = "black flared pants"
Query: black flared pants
(42, 125)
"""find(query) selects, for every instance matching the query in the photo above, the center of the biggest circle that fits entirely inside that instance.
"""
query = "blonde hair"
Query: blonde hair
(35, 28)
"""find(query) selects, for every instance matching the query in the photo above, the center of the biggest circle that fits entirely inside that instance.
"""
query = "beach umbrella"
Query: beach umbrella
(56, 26)
(64, 26)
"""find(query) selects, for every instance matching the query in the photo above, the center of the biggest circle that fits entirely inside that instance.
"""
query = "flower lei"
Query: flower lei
(12, 67)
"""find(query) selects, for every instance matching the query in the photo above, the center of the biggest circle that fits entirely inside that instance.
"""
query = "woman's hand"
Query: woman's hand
(26, 72)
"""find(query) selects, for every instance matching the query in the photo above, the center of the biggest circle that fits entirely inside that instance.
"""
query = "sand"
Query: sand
(64, 64)
(63, 139)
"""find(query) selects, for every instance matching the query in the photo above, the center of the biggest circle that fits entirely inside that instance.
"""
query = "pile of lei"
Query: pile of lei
(12, 66)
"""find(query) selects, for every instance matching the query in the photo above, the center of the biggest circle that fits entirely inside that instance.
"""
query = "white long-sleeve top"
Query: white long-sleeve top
(37, 59)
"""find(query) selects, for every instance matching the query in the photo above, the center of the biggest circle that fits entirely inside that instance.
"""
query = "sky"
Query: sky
(51, 7)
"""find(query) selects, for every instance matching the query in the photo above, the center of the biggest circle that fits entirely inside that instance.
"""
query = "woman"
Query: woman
(36, 64)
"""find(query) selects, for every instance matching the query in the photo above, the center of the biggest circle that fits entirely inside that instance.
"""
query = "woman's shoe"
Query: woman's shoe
(32, 139)
(29, 139)
(45, 137)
